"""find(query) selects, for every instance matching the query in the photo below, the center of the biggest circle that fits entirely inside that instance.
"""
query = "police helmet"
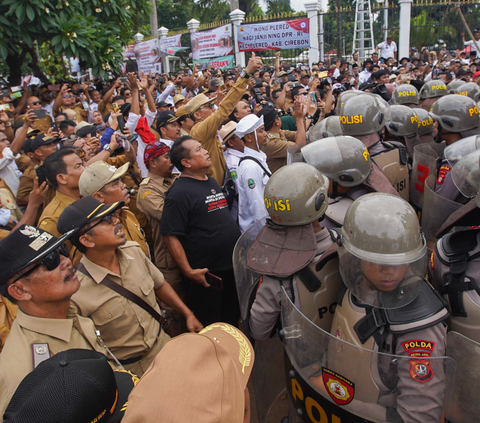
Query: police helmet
(456, 113)
(405, 94)
(363, 114)
(425, 122)
(469, 89)
(403, 121)
(453, 85)
(328, 127)
(466, 174)
(433, 89)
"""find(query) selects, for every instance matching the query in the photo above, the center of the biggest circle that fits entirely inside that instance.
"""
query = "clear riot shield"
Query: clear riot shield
(326, 381)
(424, 165)
(294, 154)
(465, 403)
(435, 211)
(267, 375)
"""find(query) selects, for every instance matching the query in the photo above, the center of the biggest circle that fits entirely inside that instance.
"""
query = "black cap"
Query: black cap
(162, 104)
(26, 246)
(31, 144)
(165, 118)
(464, 72)
(269, 114)
(82, 211)
(73, 386)
(404, 58)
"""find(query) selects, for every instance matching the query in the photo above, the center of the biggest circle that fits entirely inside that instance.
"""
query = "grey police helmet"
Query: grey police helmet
(425, 122)
(403, 121)
(469, 89)
(383, 253)
(405, 94)
(477, 97)
(456, 113)
(328, 127)
(344, 96)
(342, 159)
(363, 115)
(433, 89)
(453, 85)
(466, 174)
(296, 195)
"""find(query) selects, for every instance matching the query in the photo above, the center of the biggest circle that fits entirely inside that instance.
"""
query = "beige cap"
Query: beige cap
(180, 111)
(197, 378)
(196, 102)
(177, 98)
(81, 125)
(227, 131)
(97, 175)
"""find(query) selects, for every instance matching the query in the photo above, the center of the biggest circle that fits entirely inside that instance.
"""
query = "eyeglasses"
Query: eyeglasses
(128, 94)
(109, 218)
(50, 261)
(35, 103)
(208, 106)
(67, 96)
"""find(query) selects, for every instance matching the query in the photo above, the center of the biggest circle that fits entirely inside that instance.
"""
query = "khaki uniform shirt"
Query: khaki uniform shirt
(43, 124)
(287, 105)
(276, 148)
(8, 313)
(127, 329)
(108, 108)
(80, 114)
(131, 228)
(49, 219)
(151, 201)
(205, 132)
(183, 132)
(23, 162)
(60, 334)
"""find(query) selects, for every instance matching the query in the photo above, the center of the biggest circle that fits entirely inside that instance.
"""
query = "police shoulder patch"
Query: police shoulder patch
(145, 181)
(251, 183)
(271, 135)
(420, 370)
(442, 173)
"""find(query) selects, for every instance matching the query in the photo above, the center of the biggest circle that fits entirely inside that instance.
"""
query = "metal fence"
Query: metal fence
(435, 25)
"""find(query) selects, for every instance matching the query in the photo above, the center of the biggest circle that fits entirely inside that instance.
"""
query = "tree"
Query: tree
(278, 6)
(93, 30)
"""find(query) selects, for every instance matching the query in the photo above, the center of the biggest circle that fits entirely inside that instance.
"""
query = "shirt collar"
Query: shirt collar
(99, 273)
(160, 179)
(56, 328)
(64, 198)
(257, 154)
(233, 152)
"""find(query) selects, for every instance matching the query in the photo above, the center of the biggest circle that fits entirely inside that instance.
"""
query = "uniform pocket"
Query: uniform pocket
(111, 317)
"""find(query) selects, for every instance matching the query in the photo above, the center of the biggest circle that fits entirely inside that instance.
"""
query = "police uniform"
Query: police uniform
(129, 331)
(251, 184)
(8, 313)
(276, 148)
(26, 187)
(42, 124)
(20, 350)
(151, 201)
(23, 162)
(49, 218)
(444, 185)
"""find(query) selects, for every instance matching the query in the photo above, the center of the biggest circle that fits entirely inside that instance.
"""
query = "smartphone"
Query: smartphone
(323, 74)
(4, 93)
(4, 107)
(123, 79)
(54, 126)
(214, 281)
(278, 81)
(115, 107)
(16, 89)
(40, 113)
(313, 99)
(203, 66)
(133, 138)
(18, 94)
(41, 174)
(405, 77)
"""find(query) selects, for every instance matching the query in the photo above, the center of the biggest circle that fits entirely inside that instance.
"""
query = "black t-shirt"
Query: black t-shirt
(197, 213)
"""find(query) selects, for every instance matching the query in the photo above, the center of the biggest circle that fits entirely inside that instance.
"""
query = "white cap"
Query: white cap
(248, 124)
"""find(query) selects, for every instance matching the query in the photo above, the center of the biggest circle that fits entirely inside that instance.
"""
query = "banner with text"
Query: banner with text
(217, 62)
(212, 43)
(274, 35)
(148, 56)
(170, 45)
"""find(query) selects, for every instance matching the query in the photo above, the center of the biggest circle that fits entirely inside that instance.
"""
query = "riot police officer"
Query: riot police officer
(328, 127)
(431, 92)
(453, 85)
(403, 127)
(388, 307)
(426, 126)
(468, 89)
(406, 95)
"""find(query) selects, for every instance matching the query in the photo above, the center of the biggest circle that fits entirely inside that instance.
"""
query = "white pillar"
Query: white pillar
(162, 33)
(193, 25)
(404, 38)
(237, 17)
(312, 10)
(138, 37)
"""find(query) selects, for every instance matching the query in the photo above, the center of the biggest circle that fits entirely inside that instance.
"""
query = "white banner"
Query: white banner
(212, 43)
(170, 42)
(274, 35)
(147, 54)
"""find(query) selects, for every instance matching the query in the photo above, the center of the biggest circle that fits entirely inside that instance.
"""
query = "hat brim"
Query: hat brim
(126, 381)
(258, 124)
(203, 104)
(118, 173)
(174, 119)
(228, 136)
(281, 251)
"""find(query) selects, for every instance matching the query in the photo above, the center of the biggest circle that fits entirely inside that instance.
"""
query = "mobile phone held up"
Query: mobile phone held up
(214, 281)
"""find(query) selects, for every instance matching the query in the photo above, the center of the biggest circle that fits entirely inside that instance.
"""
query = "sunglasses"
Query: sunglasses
(208, 106)
(109, 218)
(128, 94)
(35, 103)
(67, 96)
(50, 261)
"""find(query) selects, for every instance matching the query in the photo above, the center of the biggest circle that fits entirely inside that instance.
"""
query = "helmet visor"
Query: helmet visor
(466, 174)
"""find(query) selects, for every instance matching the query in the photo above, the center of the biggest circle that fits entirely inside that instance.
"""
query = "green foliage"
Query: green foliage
(278, 6)
(94, 30)
(52, 65)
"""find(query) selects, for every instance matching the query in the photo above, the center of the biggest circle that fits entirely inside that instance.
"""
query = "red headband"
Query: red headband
(153, 150)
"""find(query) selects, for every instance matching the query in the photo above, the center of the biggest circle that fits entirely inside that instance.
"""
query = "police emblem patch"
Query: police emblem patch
(251, 183)
(420, 370)
(340, 389)
(442, 173)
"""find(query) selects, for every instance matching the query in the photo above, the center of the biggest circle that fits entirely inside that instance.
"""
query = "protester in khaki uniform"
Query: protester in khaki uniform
(62, 169)
(151, 197)
(208, 121)
(65, 103)
(278, 141)
(196, 378)
(37, 149)
(131, 332)
(38, 276)
(104, 183)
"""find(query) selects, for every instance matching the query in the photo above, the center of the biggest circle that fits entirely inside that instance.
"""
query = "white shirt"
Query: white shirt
(386, 51)
(364, 76)
(251, 185)
(232, 157)
(474, 48)
(131, 124)
(9, 171)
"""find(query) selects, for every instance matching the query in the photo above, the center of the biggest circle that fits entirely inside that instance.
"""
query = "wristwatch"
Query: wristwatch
(245, 74)
(107, 148)
(309, 116)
